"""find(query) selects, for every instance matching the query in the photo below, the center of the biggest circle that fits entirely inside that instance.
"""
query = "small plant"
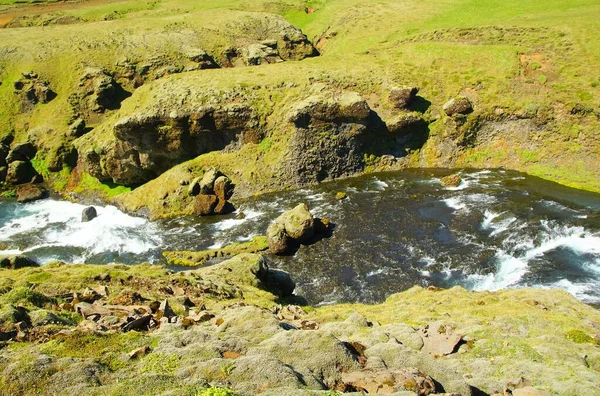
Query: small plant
(227, 368)
(215, 391)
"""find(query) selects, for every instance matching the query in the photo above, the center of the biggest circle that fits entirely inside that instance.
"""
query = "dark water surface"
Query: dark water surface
(498, 229)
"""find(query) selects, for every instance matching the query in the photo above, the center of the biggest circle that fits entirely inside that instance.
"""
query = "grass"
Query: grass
(443, 47)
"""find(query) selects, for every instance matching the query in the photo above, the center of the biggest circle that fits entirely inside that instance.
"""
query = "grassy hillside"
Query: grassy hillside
(514, 60)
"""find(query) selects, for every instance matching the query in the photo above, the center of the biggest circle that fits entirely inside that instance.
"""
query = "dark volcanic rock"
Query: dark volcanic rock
(21, 152)
(30, 192)
(88, 214)
(326, 142)
(20, 172)
(16, 262)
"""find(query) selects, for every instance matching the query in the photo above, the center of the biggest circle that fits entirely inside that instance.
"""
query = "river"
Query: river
(498, 229)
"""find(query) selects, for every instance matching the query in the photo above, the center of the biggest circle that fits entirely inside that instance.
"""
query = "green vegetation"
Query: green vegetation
(192, 259)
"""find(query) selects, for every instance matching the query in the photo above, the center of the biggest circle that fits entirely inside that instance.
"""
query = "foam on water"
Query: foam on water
(58, 224)
(227, 224)
(513, 263)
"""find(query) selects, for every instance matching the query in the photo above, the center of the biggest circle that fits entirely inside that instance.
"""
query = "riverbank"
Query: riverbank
(230, 330)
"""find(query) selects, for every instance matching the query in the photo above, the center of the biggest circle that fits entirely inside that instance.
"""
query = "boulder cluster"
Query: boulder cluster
(16, 169)
(212, 191)
(32, 91)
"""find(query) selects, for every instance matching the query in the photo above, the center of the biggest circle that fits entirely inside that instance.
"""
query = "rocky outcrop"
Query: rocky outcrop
(147, 144)
(326, 141)
(30, 192)
(213, 193)
(33, 90)
(98, 92)
(272, 39)
(20, 172)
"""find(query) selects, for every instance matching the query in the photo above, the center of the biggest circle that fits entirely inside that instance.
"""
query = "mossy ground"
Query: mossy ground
(545, 335)
(520, 58)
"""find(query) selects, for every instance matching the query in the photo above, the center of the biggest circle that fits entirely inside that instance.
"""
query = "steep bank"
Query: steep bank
(223, 326)
(156, 93)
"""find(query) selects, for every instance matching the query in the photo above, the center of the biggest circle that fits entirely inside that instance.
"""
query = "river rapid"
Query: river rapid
(498, 229)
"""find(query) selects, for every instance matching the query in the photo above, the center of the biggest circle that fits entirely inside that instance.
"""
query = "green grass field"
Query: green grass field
(510, 54)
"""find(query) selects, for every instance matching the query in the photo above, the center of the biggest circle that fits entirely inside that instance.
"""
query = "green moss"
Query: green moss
(578, 337)
(160, 363)
(215, 391)
(9, 193)
(192, 259)
(89, 183)
(24, 296)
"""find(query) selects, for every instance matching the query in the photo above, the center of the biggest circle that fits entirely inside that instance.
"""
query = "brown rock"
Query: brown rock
(458, 105)
(401, 97)
(205, 204)
(390, 381)
(139, 352)
(439, 339)
(277, 238)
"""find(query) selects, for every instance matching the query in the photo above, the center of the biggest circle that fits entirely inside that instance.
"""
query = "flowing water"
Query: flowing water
(498, 229)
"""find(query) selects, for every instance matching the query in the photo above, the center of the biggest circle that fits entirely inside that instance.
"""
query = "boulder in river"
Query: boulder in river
(30, 192)
(451, 180)
(88, 214)
(294, 226)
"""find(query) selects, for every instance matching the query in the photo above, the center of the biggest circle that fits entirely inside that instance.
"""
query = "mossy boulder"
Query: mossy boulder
(295, 225)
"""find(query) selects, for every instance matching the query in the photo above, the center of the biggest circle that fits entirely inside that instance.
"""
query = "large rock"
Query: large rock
(298, 222)
(88, 214)
(205, 205)
(21, 152)
(16, 262)
(30, 192)
(213, 192)
(401, 97)
(458, 105)
(208, 181)
(328, 136)
(277, 238)
(292, 227)
(20, 172)
(451, 181)
(405, 123)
